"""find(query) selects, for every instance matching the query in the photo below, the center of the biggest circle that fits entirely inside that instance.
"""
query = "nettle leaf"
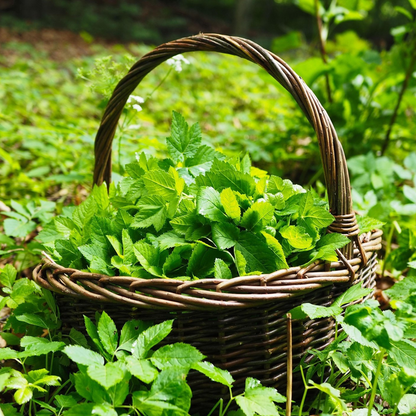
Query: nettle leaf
(8, 275)
(326, 247)
(150, 337)
(314, 216)
(129, 333)
(202, 261)
(202, 160)
(177, 355)
(222, 179)
(160, 183)
(143, 369)
(183, 142)
(257, 216)
(258, 400)
(230, 204)
(256, 252)
(214, 373)
(107, 332)
(38, 346)
(148, 256)
(401, 290)
(93, 333)
(83, 356)
(297, 237)
(277, 249)
(186, 222)
(221, 270)
(315, 311)
(169, 240)
(152, 211)
(208, 204)
(367, 224)
(225, 235)
(18, 228)
(352, 294)
(240, 262)
(108, 375)
(275, 184)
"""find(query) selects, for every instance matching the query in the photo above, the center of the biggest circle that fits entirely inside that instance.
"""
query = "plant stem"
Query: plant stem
(322, 49)
(302, 403)
(388, 248)
(289, 371)
(212, 410)
(374, 389)
(400, 98)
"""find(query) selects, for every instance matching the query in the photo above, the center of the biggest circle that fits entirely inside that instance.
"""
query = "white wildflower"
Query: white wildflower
(136, 98)
(176, 62)
(137, 107)
(134, 127)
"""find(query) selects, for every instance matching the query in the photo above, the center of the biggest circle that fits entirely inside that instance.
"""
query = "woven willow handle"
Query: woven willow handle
(332, 155)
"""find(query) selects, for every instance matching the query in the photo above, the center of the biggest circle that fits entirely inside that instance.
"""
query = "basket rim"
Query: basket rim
(211, 293)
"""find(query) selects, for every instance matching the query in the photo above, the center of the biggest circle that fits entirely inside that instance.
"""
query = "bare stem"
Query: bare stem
(400, 98)
(289, 366)
(322, 48)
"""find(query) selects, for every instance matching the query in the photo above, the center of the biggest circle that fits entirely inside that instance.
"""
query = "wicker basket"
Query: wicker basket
(240, 324)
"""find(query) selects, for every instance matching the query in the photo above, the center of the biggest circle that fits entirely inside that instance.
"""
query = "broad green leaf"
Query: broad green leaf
(69, 400)
(151, 337)
(407, 404)
(225, 235)
(256, 252)
(221, 270)
(352, 294)
(257, 216)
(223, 179)
(277, 249)
(214, 373)
(117, 246)
(35, 320)
(93, 333)
(108, 334)
(201, 263)
(23, 395)
(258, 400)
(83, 356)
(208, 204)
(297, 237)
(402, 289)
(89, 389)
(80, 410)
(152, 211)
(89, 251)
(334, 395)
(161, 184)
(100, 195)
(240, 263)
(367, 224)
(143, 369)
(84, 212)
(274, 184)
(404, 353)
(42, 376)
(16, 228)
(186, 222)
(78, 338)
(37, 346)
(8, 275)
(129, 333)
(314, 311)
(176, 355)
(183, 142)
(230, 204)
(148, 256)
(169, 240)
(107, 376)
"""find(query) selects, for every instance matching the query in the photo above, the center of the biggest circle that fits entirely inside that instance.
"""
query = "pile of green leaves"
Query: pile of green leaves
(194, 215)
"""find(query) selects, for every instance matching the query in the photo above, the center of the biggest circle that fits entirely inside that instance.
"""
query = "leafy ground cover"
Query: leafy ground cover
(50, 110)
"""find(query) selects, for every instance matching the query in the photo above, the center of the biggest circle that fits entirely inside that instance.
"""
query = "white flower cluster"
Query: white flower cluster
(176, 62)
(137, 101)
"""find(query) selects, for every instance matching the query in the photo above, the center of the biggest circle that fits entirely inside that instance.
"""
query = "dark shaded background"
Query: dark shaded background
(156, 21)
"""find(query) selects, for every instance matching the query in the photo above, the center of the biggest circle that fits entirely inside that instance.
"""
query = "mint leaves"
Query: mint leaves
(195, 215)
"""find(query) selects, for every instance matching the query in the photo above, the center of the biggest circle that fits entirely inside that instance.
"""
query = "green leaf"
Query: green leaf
(169, 240)
(8, 275)
(129, 333)
(84, 212)
(314, 311)
(402, 289)
(16, 228)
(83, 356)
(108, 334)
(202, 260)
(277, 249)
(183, 143)
(367, 224)
(352, 294)
(221, 270)
(407, 404)
(90, 389)
(151, 337)
(93, 333)
(275, 184)
(334, 395)
(78, 338)
(257, 216)
(258, 400)
(38, 346)
(100, 195)
(80, 410)
(225, 235)
(177, 355)
(256, 252)
(143, 369)
(108, 375)
(403, 352)
(23, 395)
(240, 263)
(297, 237)
(148, 256)
(33, 319)
(161, 184)
(214, 373)
(116, 244)
(230, 204)
(208, 204)
(152, 211)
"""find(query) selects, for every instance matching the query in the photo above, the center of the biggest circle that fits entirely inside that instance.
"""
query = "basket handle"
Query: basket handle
(332, 154)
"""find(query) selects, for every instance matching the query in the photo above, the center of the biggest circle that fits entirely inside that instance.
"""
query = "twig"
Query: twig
(322, 49)
(289, 366)
(399, 100)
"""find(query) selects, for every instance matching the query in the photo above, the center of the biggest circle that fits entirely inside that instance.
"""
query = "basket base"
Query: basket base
(247, 342)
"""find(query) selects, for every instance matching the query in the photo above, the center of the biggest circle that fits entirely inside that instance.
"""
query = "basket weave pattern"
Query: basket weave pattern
(240, 324)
